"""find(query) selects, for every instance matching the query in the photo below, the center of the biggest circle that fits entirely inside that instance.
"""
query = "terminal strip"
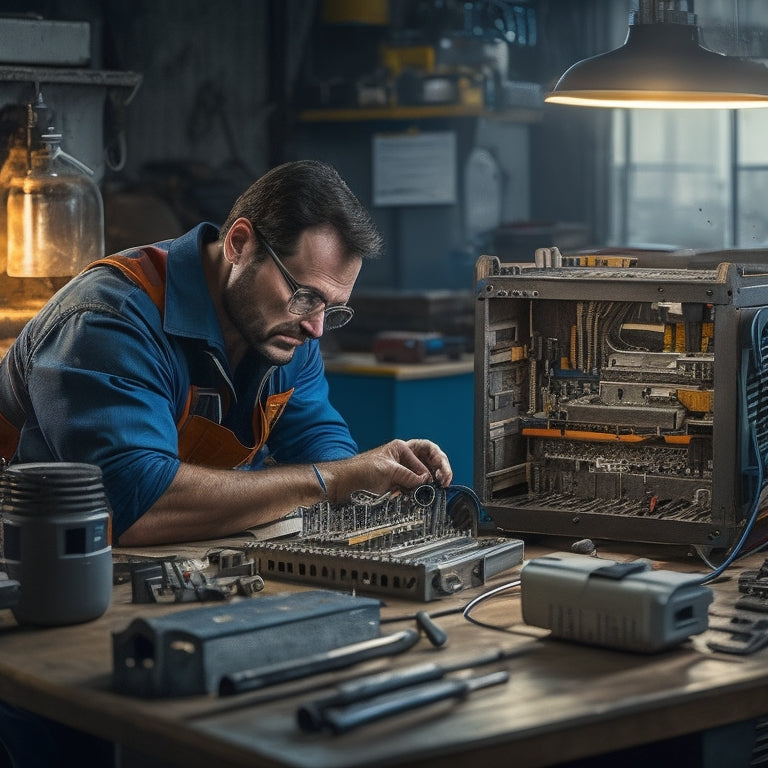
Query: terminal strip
(405, 544)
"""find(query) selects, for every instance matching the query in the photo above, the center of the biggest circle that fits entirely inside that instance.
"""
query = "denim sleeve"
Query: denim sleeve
(310, 429)
(104, 389)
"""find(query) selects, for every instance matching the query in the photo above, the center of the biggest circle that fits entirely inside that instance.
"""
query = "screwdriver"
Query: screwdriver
(311, 715)
(343, 719)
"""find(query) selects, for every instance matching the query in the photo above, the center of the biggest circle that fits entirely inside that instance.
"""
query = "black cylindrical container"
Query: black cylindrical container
(57, 537)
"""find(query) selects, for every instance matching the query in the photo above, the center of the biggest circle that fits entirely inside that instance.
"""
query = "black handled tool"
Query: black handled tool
(338, 658)
(311, 715)
(434, 634)
(343, 719)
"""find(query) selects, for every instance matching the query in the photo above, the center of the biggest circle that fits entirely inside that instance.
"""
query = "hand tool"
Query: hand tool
(434, 634)
(343, 719)
(311, 715)
(337, 658)
(745, 635)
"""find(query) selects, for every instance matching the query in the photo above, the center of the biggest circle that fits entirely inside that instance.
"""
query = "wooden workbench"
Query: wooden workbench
(562, 702)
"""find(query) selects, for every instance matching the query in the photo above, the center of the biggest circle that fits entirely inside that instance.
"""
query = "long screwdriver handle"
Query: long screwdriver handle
(338, 658)
(310, 715)
(343, 719)
(434, 634)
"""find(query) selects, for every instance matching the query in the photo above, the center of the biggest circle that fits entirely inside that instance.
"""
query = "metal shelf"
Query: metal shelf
(66, 76)
(421, 112)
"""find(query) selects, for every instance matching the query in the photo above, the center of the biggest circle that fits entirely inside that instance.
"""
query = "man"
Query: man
(169, 365)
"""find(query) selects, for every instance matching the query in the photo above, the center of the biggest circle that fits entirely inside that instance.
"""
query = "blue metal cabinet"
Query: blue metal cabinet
(382, 401)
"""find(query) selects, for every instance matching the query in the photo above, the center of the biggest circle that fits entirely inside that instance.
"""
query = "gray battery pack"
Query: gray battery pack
(623, 605)
(188, 652)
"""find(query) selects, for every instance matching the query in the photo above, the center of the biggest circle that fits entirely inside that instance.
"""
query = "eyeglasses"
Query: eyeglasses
(306, 300)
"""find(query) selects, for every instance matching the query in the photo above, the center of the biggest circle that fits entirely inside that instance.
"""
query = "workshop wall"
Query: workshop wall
(193, 136)
(224, 86)
(198, 127)
(430, 244)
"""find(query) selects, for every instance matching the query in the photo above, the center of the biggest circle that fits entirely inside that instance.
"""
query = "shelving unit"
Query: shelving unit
(421, 112)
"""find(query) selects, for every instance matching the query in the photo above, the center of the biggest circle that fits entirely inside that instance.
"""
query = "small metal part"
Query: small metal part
(745, 635)
(235, 562)
(434, 633)
(366, 497)
(424, 495)
(448, 583)
(754, 582)
(245, 586)
(176, 580)
(249, 585)
(584, 547)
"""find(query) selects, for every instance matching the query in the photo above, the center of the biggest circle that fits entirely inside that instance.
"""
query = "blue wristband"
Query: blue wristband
(321, 482)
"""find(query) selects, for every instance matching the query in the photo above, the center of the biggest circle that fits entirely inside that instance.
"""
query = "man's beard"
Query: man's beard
(254, 330)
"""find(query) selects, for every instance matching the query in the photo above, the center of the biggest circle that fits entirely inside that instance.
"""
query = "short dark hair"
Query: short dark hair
(301, 194)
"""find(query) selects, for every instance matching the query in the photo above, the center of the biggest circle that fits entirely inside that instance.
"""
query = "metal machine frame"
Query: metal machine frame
(623, 398)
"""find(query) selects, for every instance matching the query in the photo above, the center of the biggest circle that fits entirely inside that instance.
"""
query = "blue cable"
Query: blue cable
(736, 549)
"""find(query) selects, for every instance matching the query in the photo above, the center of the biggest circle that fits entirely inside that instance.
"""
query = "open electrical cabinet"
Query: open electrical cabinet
(623, 397)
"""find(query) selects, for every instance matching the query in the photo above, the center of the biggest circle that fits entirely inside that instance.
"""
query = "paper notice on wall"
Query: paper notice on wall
(414, 169)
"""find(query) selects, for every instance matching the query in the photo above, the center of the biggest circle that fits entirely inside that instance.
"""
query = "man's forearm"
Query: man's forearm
(202, 503)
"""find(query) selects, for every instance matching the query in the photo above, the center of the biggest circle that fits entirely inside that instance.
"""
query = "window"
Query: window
(695, 178)
(690, 178)
(751, 188)
(672, 178)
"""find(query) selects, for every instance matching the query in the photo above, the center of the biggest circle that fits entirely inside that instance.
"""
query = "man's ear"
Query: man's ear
(237, 239)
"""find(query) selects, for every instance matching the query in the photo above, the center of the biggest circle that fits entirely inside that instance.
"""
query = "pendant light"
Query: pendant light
(662, 65)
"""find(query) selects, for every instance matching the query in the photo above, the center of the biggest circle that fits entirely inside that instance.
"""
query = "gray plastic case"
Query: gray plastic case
(624, 605)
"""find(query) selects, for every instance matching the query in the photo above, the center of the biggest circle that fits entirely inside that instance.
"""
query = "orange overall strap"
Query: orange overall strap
(271, 412)
(206, 443)
(9, 438)
(146, 270)
(202, 441)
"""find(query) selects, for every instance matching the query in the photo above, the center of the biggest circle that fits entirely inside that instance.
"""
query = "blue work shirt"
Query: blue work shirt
(101, 376)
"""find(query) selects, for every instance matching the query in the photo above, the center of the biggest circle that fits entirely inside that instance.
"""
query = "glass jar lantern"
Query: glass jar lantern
(55, 215)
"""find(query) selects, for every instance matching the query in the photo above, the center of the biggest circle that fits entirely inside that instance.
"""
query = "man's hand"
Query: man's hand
(397, 465)
(203, 503)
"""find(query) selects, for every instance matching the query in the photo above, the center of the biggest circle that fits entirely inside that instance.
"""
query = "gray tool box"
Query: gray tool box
(188, 652)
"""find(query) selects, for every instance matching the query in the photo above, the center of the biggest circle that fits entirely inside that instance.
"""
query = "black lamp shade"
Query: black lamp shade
(663, 65)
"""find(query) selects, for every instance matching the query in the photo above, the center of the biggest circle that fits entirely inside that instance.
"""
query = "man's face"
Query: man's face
(256, 295)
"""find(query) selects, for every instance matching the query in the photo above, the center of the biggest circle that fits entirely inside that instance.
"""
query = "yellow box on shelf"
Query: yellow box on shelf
(356, 12)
